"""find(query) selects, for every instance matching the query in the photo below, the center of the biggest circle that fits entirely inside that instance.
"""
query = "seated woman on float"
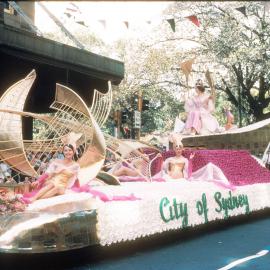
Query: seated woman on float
(199, 109)
(180, 168)
(135, 166)
(176, 167)
(60, 175)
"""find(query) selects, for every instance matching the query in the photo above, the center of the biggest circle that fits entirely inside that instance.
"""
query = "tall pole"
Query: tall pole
(132, 120)
(140, 101)
(240, 105)
(2, 6)
(117, 115)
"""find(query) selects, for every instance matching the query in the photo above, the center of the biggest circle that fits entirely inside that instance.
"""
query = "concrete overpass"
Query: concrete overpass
(22, 50)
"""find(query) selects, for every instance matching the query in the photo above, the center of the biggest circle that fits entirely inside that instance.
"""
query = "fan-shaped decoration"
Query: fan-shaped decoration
(101, 105)
(136, 151)
(71, 116)
(11, 140)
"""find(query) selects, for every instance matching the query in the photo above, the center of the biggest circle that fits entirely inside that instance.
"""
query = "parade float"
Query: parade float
(91, 213)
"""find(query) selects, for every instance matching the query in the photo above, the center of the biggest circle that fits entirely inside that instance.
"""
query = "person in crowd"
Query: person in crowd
(266, 157)
(229, 119)
(199, 109)
(60, 155)
(43, 165)
(26, 181)
(125, 131)
(9, 179)
(4, 170)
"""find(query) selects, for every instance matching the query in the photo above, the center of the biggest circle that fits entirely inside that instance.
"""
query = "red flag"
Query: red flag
(72, 10)
(194, 19)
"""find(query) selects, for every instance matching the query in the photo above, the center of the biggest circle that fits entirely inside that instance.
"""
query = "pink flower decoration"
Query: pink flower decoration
(237, 165)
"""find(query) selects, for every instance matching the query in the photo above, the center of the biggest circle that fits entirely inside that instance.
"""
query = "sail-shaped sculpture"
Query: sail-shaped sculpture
(72, 115)
(74, 112)
(101, 105)
(11, 139)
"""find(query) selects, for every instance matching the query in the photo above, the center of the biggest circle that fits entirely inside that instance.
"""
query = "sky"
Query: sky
(113, 12)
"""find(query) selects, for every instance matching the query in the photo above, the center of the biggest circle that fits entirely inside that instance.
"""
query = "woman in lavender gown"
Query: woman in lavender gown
(200, 108)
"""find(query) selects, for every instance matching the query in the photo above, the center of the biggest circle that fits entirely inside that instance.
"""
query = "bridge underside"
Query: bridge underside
(82, 71)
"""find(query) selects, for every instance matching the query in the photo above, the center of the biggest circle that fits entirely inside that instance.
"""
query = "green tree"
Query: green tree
(148, 71)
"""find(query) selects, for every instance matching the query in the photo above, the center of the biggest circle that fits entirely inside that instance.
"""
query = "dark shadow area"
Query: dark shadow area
(42, 93)
(13, 69)
(95, 254)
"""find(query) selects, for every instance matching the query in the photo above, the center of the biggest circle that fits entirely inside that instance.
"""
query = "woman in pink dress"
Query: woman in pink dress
(199, 109)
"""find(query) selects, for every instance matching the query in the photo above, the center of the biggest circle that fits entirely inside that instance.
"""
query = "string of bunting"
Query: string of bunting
(72, 10)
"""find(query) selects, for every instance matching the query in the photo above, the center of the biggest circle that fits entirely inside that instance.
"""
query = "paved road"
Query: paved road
(208, 248)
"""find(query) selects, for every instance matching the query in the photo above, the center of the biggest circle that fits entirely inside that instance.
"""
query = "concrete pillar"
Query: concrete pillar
(2, 12)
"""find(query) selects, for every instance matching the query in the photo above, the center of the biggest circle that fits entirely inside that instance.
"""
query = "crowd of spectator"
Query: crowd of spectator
(38, 160)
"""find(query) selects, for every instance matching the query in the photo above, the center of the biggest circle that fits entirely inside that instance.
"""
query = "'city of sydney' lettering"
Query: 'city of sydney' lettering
(231, 202)
(173, 209)
(170, 210)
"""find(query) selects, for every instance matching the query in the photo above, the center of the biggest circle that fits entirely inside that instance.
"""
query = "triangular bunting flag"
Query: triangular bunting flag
(81, 22)
(194, 19)
(103, 22)
(72, 10)
(67, 14)
(242, 10)
(126, 24)
(172, 24)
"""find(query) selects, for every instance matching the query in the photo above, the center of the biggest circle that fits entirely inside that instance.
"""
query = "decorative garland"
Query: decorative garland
(10, 203)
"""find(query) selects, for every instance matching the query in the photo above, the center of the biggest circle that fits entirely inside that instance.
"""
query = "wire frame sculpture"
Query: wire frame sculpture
(11, 139)
(101, 105)
(71, 115)
(100, 109)
(137, 155)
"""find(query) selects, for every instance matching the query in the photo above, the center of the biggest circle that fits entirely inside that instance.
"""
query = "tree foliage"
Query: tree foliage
(148, 71)
(234, 47)
(239, 47)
